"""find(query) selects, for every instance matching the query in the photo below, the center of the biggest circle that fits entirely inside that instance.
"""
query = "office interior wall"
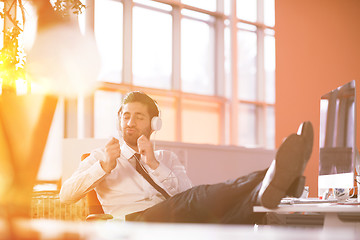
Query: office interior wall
(317, 50)
(205, 163)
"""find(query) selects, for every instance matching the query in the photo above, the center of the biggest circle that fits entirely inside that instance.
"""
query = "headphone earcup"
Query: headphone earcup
(156, 123)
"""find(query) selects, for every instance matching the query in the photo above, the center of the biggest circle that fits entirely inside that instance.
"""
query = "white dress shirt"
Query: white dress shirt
(124, 190)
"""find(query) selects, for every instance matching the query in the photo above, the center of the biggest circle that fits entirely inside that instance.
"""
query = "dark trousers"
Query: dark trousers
(230, 202)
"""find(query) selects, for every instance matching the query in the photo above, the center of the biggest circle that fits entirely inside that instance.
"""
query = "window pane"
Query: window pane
(200, 122)
(167, 107)
(246, 10)
(106, 106)
(247, 125)
(269, 62)
(197, 57)
(108, 33)
(270, 127)
(152, 48)
(82, 19)
(247, 53)
(269, 31)
(269, 12)
(209, 5)
(227, 7)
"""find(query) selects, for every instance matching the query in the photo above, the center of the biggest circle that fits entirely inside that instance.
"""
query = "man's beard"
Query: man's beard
(131, 140)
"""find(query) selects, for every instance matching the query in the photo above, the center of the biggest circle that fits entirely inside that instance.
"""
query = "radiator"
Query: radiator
(46, 204)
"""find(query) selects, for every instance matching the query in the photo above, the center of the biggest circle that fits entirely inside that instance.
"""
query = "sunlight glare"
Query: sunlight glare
(21, 86)
(63, 61)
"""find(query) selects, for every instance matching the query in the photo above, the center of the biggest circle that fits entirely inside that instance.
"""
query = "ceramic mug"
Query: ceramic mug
(343, 194)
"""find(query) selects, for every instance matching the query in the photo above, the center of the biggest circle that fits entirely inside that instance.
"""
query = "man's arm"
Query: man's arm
(167, 168)
(83, 179)
(90, 172)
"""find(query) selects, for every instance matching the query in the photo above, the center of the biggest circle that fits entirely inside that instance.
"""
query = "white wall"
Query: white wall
(212, 164)
(204, 163)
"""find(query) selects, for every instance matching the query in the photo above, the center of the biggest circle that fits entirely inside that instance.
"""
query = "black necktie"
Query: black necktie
(147, 177)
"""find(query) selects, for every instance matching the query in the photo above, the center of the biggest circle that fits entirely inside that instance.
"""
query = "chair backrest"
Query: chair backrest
(92, 200)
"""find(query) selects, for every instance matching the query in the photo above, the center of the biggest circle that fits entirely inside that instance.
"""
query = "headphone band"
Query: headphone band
(155, 121)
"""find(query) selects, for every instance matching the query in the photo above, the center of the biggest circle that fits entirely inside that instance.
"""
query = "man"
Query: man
(116, 174)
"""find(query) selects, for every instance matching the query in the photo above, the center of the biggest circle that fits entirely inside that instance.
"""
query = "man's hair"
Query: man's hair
(137, 96)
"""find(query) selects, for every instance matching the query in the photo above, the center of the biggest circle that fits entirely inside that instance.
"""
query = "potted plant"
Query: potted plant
(25, 119)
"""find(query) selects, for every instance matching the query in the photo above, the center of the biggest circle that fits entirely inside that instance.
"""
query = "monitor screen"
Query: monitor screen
(337, 138)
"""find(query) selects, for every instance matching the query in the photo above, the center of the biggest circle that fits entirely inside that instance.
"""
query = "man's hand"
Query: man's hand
(146, 149)
(112, 152)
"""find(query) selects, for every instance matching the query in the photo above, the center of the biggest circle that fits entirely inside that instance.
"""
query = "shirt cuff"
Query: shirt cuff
(98, 155)
(161, 172)
(97, 171)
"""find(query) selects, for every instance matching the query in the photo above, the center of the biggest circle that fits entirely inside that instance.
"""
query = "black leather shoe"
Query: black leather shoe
(284, 176)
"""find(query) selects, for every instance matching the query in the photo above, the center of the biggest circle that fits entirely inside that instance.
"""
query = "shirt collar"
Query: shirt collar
(127, 151)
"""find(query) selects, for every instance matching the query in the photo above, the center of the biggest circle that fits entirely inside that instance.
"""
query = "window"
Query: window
(209, 64)
(269, 65)
(200, 115)
(109, 35)
(197, 55)
(246, 10)
(152, 45)
(247, 65)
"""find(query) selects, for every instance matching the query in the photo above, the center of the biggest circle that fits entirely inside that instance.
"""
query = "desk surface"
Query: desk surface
(336, 215)
(312, 207)
(318, 207)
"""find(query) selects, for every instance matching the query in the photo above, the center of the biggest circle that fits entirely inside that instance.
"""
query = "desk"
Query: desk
(54, 229)
(349, 214)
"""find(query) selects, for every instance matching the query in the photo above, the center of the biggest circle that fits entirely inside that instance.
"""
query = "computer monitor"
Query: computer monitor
(337, 138)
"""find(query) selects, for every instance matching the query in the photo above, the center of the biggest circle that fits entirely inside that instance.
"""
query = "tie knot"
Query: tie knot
(137, 156)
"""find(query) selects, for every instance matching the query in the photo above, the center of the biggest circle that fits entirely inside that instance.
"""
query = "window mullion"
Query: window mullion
(234, 105)
(176, 56)
(176, 69)
(127, 42)
(261, 88)
(261, 83)
(219, 68)
(260, 12)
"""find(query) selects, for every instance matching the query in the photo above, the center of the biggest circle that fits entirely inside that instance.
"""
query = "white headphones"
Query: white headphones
(156, 122)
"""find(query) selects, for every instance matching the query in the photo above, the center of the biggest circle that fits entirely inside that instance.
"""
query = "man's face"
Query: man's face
(134, 122)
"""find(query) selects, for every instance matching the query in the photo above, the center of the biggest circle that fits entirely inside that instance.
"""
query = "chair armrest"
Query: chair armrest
(97, 217)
